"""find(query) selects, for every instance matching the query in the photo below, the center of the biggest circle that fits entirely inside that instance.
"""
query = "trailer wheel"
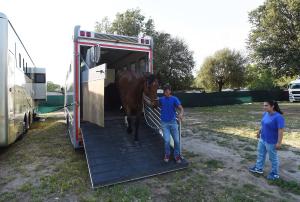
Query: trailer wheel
(25, 125)
(68, 121)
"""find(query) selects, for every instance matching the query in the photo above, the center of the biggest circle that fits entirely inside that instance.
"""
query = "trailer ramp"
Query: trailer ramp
(113, 157)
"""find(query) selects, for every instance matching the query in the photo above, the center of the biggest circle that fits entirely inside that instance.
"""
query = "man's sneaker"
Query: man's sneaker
(178, 159)
(254, 169)
(273, 176)
(166, 158)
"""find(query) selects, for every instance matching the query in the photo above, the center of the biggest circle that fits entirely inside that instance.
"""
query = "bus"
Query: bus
(19, 94)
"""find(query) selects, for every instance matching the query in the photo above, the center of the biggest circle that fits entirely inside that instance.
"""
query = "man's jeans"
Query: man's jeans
(263, 148)
(171, 128)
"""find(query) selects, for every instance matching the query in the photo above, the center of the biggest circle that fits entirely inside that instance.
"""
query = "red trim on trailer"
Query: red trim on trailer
(125, 47)
(151, 62)
(114, 46)
(76, 91)
(87, 43)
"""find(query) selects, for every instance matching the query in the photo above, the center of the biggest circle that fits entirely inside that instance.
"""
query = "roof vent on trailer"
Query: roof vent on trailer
(145, 40)
(85, 34)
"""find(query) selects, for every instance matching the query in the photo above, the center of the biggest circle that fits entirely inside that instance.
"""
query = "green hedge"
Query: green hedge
(56, 102)
(229, 98)
(53, 103)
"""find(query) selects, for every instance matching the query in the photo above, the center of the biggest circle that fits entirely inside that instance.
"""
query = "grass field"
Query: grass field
(219, 142)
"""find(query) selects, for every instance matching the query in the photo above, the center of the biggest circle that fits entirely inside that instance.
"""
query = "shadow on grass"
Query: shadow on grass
(246, 146)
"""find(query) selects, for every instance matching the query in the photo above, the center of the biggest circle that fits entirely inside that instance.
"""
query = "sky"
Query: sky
(46, 27)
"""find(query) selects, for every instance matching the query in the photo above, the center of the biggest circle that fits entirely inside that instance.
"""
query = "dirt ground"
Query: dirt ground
(219, 143)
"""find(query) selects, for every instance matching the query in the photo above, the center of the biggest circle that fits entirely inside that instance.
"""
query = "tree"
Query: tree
(259, 78)
(129, 23)
(225, 68)
(52, 87)
(173, 60)
(274, 41)
(104, 26)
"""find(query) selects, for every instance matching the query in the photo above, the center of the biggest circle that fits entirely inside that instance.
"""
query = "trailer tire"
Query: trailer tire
(68, 121)
(67, 125)
(25, 125)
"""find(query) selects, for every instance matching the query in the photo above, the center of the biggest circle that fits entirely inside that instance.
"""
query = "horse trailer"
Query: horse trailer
(92, 108)
(22, 85)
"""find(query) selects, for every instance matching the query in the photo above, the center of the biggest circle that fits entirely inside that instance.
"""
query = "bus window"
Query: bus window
(39, 78)
(23, 65)
(26, 68)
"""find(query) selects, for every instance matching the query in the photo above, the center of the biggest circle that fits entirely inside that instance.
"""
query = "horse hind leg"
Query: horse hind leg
(137, 124)
(126, 121)
(127, 117)
(129, 126)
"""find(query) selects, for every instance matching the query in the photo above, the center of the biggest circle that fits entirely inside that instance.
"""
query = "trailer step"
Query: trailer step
(113, 157)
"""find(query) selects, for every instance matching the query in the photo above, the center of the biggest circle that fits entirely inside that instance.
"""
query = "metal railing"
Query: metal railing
(152, 117)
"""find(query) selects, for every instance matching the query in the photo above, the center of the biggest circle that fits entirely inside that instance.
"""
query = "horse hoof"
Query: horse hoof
(129, 130)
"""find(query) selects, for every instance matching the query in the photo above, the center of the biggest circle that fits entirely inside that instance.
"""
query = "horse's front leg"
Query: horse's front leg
(128, 121)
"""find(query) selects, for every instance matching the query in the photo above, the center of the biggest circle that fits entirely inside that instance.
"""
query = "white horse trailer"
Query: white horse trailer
(17, 84)
(99, 57)
(93, 116)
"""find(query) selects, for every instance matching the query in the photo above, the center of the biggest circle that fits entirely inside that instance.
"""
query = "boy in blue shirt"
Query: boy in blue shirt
(169, 104)
(270, 138)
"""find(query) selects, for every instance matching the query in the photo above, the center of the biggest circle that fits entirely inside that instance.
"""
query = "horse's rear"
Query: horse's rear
(130, 85)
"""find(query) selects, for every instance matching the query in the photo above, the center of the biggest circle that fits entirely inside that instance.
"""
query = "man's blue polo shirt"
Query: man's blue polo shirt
(168, 108)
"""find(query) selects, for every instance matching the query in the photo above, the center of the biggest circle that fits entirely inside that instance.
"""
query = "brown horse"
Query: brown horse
(132, 86)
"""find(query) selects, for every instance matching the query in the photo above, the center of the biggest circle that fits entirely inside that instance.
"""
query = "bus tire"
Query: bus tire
(29, 120)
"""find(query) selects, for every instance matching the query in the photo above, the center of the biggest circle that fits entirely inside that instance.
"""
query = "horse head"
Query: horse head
(150, 89)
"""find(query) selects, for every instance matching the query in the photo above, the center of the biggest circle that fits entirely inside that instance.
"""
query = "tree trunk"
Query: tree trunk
(220, 85)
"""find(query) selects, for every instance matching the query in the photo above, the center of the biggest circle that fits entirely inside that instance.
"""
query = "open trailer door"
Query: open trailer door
(93, 88)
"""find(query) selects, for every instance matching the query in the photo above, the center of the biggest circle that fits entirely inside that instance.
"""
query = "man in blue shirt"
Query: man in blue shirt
(169, 104)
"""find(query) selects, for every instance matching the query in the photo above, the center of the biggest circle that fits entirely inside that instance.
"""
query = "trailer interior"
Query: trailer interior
(116, 60)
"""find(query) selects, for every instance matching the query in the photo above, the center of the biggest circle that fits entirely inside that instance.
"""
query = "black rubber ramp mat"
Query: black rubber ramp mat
(113, 157)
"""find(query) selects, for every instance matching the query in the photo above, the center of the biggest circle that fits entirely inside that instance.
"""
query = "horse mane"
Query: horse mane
(150, 78)
(147, 77)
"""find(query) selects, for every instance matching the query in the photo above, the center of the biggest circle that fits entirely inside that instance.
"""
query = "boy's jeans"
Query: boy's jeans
(263, 148)
(171, 128)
